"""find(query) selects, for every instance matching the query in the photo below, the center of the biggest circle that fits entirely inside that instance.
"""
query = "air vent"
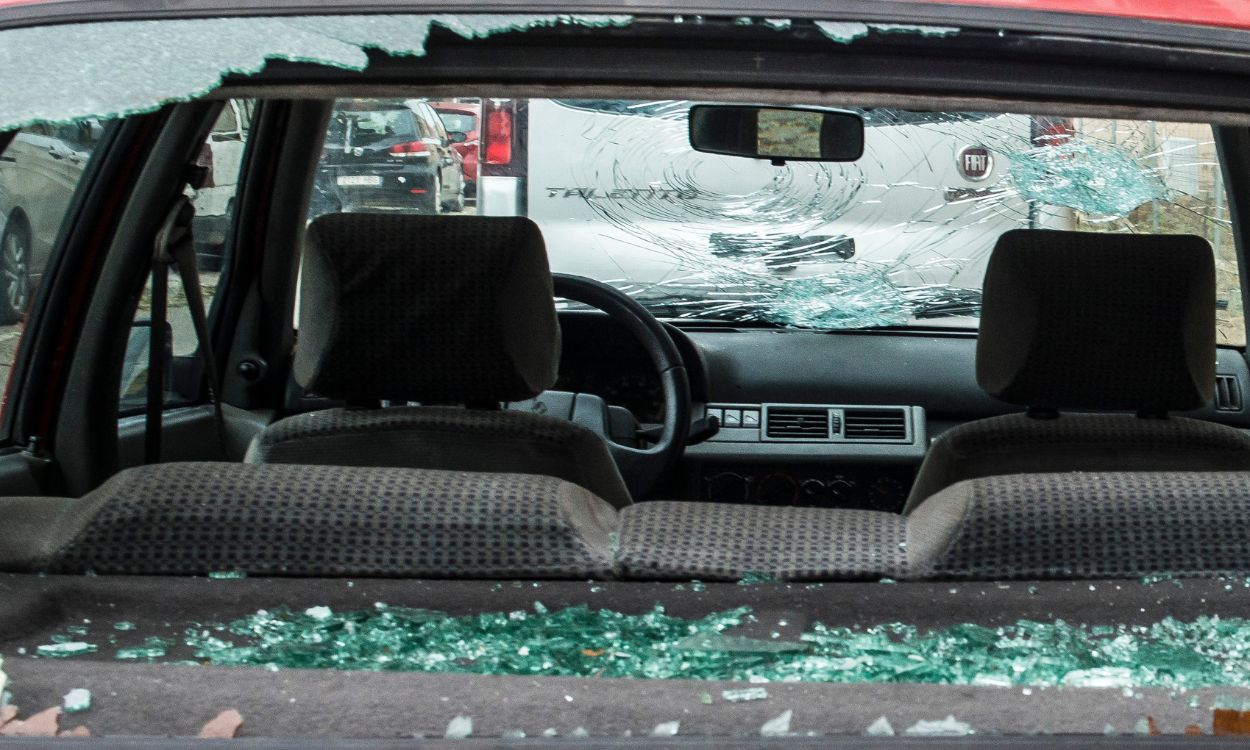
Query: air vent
(798, 423)
(875, 424)
(1227, 393)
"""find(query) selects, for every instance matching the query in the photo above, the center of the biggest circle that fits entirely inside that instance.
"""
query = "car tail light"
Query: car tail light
(412, 148)
(1052, 131)
(498, 136)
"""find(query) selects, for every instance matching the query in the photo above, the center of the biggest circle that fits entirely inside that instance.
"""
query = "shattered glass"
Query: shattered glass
(128, 67)
(1089, 178)
(900, 237)
(76, 700)
(1207, 651)
(847, 32)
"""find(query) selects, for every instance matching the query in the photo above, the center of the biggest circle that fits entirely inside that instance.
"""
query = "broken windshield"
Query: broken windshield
(900, 237)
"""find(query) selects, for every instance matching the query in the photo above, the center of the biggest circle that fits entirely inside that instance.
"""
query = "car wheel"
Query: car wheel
(457, 203)
(435, 204)
(14, 273)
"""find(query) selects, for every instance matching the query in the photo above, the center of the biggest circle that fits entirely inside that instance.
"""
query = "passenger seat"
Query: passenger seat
(1097, 322)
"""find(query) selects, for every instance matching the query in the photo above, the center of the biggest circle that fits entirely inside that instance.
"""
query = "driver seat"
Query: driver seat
(451, 311)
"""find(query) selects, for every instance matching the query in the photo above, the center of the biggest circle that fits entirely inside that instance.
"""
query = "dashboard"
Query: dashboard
(784, 454)
(868, 488)
(810, 418)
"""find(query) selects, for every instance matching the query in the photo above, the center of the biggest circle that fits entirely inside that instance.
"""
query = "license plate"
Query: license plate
(361, 180)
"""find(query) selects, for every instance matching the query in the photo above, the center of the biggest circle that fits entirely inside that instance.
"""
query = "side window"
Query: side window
(222, 153)
(40, 171)
(423, 126)
(431, 117)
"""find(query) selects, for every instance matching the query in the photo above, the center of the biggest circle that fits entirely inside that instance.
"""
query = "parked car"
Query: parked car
(462, 117)
(389, 156)
(38, 174)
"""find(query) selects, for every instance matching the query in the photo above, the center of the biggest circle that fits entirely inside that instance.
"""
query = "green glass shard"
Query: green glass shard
(718, 642)
(65, 649)
(77, 700)
(459, 728)
(227, 574)
(948, 727)
(579, 641)
(847, 32)
(152, 648)
(123, 625)
(196, 54)
(778, 726)
(755, 577)
(1085, 176)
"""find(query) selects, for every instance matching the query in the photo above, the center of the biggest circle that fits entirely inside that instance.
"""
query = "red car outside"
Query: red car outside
(463, 117)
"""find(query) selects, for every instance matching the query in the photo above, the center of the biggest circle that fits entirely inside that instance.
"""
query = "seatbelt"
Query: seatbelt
(174, 246)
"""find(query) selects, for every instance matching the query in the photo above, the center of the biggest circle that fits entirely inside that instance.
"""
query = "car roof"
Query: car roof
(1226, 13)
(1210, 23)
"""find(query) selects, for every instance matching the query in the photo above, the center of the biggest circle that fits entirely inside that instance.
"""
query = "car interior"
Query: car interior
(428, 412)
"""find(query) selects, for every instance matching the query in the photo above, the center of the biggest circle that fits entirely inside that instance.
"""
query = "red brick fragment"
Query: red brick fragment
(78, 731)
(223, 727)
(43, 724)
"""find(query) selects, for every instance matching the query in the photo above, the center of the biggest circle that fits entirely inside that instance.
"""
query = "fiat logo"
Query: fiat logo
(975, 163)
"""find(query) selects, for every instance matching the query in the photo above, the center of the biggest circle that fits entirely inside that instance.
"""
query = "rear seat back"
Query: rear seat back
(1084, 525)
(716, 542)
(328, 521)
(193, 518)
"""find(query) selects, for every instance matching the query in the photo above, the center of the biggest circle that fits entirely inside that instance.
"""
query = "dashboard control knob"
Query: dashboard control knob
(728, 487)
(777, 489)
(886, 493)
(814, 492)
(843, 493)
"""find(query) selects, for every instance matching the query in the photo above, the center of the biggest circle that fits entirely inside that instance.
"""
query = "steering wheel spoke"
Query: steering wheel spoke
(641, 468)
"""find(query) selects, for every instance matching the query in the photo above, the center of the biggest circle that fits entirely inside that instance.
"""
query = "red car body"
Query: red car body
(468, 150)
(1227, 13)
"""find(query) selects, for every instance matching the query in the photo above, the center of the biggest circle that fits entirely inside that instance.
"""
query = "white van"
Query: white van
(620, 195)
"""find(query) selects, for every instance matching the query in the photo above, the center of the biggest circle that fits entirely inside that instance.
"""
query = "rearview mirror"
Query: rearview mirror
(455, 136)
(780, 134)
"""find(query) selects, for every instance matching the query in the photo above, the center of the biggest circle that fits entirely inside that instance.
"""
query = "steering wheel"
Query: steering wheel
(639, 467)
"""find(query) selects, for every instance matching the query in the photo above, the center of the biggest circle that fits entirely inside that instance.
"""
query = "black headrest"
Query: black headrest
(1088, 320)
(426, 308)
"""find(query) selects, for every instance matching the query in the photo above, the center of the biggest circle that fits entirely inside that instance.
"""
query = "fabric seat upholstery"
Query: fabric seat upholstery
(194, 518)
(1096, 322)
(720, 541)
(433, 437)
(1083, 525)
(436, 310)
